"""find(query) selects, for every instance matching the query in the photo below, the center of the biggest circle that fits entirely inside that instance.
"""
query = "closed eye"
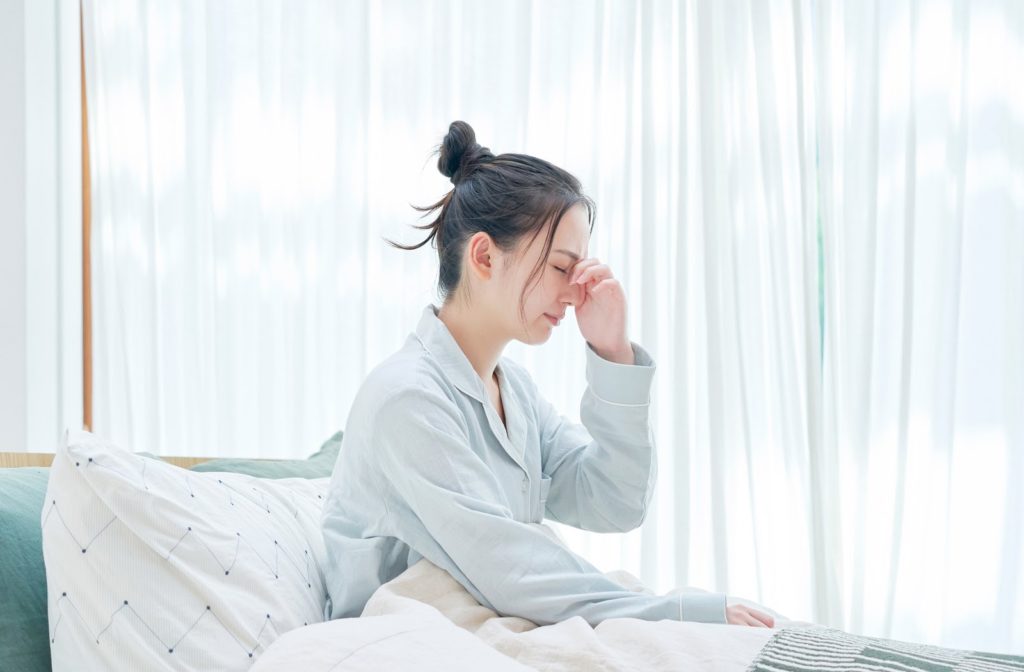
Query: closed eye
(560, 270)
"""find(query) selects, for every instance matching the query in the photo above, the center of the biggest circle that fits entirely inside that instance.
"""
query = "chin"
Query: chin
(537, 336)
(541, 338)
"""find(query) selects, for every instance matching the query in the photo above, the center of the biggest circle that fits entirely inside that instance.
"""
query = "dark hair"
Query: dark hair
(508, 196)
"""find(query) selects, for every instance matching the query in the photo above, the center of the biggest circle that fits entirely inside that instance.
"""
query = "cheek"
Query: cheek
(544, 294)
(541, 293)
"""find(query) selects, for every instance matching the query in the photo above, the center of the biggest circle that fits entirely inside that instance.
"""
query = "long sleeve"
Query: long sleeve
(447, 505)
(603, 472)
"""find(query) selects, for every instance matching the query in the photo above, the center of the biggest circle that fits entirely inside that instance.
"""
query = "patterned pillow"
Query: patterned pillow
(149, 565)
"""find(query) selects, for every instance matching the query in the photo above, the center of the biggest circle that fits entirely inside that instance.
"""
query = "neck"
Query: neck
(482, 346)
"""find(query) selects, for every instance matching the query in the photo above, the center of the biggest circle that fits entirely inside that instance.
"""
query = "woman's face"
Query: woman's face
(550, 293)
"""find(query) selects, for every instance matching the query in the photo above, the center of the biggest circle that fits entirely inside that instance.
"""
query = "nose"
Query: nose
(572, 295)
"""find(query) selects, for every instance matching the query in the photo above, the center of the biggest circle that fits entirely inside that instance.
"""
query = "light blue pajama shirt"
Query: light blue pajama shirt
(426, 469)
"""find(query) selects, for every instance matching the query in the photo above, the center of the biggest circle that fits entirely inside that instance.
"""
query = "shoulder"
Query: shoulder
(403, 412)
(407, 382)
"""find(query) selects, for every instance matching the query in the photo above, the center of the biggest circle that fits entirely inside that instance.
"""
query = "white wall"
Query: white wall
(12, 225)
(40, 224)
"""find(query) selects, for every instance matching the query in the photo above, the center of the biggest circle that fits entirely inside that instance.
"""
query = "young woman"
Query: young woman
(452, 454)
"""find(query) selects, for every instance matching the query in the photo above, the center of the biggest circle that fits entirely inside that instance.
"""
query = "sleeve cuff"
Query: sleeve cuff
(702, 607)
(621, 383)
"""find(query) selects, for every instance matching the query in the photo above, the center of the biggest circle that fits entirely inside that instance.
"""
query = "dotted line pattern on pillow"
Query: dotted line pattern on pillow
(151, 566)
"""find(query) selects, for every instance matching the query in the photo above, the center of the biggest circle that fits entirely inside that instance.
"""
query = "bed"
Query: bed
(196, 564)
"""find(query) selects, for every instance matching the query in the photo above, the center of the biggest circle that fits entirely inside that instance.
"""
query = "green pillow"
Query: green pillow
(24, 629)
(24, 625)
(318, 465)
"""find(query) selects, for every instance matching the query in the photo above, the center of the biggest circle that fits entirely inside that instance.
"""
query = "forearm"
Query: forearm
(603, 471)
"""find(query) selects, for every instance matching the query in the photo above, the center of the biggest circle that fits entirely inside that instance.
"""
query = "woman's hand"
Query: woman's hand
(739, 614)
(601, 310)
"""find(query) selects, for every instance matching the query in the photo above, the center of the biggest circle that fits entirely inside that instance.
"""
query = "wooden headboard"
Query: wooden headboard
(8, 460)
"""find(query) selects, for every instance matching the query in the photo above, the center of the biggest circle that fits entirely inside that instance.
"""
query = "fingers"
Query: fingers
(581, 296)
(594, 273)
(604, 285)
(763, 618)
(606, 289)
(580, 266)
(743, 615)
(749, 619)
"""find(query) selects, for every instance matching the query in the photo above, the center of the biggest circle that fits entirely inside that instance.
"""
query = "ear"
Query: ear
(482, 255)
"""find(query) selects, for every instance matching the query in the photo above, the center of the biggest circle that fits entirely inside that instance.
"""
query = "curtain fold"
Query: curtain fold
(921, 158)
(814, 208)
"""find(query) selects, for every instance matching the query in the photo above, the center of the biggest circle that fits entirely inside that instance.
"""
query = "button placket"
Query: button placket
(506, 435)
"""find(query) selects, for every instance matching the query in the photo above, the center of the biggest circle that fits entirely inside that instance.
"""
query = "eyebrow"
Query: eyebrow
(575, 256)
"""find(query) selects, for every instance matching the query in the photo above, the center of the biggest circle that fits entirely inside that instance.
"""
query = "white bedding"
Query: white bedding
(425, 620)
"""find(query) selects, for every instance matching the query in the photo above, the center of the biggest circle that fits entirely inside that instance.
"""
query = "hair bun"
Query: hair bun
(460, 151)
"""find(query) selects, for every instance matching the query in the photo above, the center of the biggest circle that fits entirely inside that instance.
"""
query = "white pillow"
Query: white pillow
(151, 566)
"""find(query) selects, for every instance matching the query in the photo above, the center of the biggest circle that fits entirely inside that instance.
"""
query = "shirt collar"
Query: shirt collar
(439, 342)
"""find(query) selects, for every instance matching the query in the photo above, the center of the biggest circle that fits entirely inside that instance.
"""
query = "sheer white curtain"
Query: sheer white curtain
(922, 195)
(248, 159)
(686, 124)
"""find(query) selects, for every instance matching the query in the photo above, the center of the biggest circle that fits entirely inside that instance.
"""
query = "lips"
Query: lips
(554, 320)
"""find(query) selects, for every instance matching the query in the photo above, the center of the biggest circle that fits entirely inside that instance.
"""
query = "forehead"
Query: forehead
(573, 233)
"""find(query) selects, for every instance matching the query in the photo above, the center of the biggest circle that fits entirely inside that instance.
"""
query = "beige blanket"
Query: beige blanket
(425, 620)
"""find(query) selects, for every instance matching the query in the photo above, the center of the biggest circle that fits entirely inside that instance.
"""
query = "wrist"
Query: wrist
(623, 354)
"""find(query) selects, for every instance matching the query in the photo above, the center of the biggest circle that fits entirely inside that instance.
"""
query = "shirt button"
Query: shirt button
(524, 483)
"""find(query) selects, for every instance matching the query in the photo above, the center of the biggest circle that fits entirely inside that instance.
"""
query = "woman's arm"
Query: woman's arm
(603, 471)
(445, 502)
